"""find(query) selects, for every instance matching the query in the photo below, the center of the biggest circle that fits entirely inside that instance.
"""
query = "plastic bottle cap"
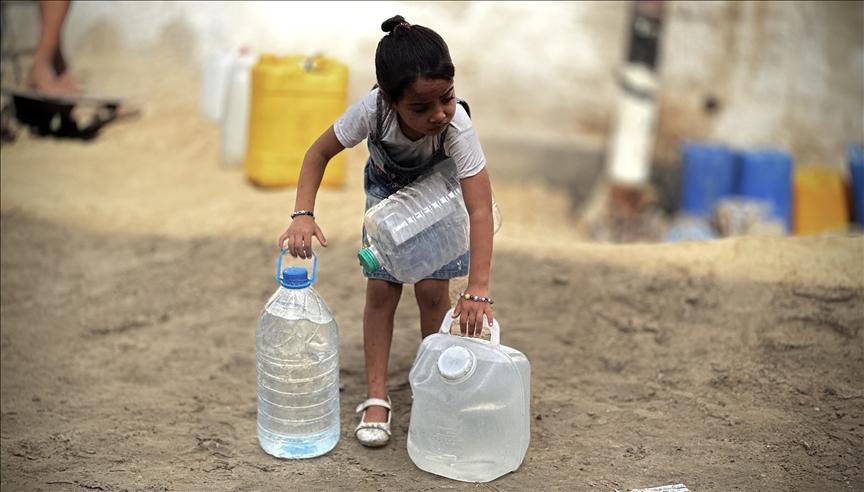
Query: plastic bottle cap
(295, 278)
(368, 260)
(455, 363)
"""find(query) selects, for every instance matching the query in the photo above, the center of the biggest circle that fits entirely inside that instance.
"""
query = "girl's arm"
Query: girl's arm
(299, 234)
(477, 193)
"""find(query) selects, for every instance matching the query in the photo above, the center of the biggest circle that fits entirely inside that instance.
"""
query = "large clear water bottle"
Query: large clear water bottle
(298, 369)
(418, 229)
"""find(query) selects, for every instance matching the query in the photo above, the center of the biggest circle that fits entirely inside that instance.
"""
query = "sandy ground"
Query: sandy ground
(134, 268)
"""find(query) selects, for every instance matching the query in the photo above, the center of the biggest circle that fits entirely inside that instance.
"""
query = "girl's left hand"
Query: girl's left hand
(470, 314)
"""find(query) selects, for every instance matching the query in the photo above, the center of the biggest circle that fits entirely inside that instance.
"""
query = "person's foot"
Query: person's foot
(43, 79)
(373, 433)
(68, 83)
(376, 414)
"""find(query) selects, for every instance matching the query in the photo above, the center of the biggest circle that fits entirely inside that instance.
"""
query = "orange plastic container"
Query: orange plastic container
(820, 203)
(293, 100)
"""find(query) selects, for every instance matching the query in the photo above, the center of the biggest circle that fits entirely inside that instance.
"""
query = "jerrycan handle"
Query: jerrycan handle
(448, 320)
(279, 267)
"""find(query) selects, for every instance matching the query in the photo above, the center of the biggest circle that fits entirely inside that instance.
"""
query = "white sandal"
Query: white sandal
(373, 434)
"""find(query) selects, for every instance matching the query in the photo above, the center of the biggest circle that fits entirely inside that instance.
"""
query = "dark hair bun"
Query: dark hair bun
(391, 23)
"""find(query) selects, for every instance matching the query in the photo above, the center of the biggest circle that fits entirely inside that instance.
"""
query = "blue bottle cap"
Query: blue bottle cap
(295, 278)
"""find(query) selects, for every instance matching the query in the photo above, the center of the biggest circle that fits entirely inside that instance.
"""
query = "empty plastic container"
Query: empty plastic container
(855, 155)
(214, 85)
(294, 99)
(820, 203)
(767, 175)
(418, 229)
(235, 117)
(470, 416)
(708, 175)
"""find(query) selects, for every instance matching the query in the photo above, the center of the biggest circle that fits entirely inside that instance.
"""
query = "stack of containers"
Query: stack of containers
(224, 99)
(806, 199)
(713, 174)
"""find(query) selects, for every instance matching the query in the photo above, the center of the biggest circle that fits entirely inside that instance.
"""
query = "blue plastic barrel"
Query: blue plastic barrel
(708, 175)
(767, 175)
(855, 155)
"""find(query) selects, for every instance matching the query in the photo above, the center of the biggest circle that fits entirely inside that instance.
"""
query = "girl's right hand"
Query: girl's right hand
(298, 237)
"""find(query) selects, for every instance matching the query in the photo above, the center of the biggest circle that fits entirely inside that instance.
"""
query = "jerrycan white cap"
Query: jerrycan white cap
(456, 362)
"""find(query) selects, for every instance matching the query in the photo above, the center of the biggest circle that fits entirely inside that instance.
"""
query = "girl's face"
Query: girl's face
(426, 108)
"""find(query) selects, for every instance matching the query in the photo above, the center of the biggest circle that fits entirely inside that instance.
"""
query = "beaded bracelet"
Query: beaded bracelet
(303, 212)
(469, 297)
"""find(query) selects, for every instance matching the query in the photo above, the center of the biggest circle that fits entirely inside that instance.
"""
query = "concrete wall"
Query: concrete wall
(787, 74)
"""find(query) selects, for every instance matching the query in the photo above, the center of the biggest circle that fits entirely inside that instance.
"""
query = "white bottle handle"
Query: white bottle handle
(448, 320)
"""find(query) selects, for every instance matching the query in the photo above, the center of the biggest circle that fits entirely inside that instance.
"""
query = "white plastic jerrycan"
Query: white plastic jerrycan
(471, 416)
(235, 114)
(214, 85)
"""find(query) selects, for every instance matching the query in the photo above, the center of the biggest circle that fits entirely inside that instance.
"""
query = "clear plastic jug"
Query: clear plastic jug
(470, 418)
(418, 229)
(298, 368)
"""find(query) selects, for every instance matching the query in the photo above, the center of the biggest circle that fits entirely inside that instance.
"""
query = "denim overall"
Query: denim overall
(383, 176)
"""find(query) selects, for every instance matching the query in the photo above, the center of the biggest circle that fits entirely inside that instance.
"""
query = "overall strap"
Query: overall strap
(464, 104)
(441, 139)
(443, 136)
(379, 116)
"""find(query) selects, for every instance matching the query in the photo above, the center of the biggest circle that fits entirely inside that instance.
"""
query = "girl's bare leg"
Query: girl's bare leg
(382, 297)
(433, 298)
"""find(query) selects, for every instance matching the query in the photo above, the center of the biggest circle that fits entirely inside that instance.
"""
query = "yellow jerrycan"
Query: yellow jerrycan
(293, 100)
(820, 204)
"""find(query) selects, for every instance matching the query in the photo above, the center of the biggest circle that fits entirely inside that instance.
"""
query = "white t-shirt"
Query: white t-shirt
(461, 142)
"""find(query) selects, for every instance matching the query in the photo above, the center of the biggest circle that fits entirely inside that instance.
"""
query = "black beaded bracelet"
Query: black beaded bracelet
(303, 212)
(469, 297)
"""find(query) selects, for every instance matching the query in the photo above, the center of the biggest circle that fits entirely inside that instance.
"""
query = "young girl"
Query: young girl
(412, 121)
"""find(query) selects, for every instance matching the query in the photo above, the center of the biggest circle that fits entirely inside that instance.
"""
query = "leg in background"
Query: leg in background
(48, 73)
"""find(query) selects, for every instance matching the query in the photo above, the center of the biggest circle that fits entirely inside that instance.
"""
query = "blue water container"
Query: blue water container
(855, 155)
(767, 175)
(708, 175)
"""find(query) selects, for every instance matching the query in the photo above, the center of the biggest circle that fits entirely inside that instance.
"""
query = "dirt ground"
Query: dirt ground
(134, 268)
